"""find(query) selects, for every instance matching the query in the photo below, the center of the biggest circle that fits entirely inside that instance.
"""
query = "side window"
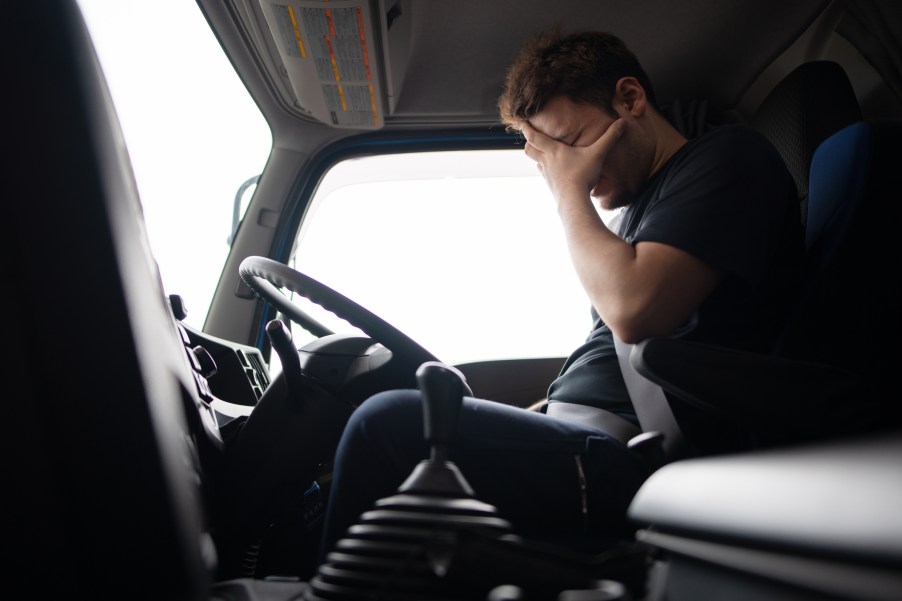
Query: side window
(462, 251)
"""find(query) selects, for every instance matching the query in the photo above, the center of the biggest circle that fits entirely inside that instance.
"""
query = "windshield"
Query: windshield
(460, 250)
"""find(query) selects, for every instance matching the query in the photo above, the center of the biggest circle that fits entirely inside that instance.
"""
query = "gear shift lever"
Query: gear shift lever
(403, 548)
(442, 388)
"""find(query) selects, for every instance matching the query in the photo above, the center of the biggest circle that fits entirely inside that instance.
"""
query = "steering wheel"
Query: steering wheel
(265, 277)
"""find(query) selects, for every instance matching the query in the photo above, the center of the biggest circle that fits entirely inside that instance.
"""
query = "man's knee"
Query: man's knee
(392, 410)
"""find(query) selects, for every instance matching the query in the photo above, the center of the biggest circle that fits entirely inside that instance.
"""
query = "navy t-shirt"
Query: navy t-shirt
(727, 198)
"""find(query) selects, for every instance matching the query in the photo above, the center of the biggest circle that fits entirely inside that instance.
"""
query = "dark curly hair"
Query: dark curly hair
(582, 66)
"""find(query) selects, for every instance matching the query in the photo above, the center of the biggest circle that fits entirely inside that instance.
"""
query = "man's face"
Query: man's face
(577, 124)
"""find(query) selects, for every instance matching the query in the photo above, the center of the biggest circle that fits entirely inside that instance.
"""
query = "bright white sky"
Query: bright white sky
(192, 131)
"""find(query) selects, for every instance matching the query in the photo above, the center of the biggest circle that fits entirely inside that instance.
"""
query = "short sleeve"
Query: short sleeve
(723, 200)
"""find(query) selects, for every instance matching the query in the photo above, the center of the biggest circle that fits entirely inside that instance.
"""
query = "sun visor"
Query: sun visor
(337, 56)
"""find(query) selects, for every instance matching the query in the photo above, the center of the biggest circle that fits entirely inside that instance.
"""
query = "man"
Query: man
(708, 243)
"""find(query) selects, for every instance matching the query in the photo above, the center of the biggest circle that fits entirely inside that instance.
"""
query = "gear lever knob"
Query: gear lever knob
(442, 388)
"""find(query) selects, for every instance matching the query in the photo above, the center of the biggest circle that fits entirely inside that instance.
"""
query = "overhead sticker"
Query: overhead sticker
(326, 48)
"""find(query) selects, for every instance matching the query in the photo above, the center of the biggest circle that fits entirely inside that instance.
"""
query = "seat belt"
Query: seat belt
(651, 405)
(608, 422)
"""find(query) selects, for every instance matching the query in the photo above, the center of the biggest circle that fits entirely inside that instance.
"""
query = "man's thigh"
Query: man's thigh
(549, 477)
(546, 476)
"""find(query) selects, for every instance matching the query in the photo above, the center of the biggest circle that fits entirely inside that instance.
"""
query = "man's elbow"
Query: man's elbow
(628, 335)
(629, 326)
(632, 326)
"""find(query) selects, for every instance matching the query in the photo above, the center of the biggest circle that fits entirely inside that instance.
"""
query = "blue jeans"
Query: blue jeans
(530, 466)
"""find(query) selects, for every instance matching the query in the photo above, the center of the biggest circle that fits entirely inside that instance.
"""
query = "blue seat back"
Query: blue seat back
(811, 103)
(837, 184)
(851, 302)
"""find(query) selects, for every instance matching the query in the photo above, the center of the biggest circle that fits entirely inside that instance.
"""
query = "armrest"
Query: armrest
(821, 516)
(776, 396)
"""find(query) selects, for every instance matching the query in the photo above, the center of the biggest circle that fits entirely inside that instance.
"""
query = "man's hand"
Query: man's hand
(570, 169)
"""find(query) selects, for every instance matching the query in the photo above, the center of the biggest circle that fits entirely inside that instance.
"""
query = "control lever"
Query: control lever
(442, 389)
(280, 339)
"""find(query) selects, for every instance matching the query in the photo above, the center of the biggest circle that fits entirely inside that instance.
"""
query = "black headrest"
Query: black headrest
(811, 103)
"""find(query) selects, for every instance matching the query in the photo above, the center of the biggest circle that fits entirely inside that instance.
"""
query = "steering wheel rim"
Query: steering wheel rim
(265, 277)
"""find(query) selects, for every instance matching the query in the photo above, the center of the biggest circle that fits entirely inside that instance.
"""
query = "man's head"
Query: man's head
(572, 88)
(584, 67)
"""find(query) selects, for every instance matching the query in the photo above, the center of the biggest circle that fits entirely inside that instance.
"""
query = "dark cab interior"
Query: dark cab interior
(141, 451)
